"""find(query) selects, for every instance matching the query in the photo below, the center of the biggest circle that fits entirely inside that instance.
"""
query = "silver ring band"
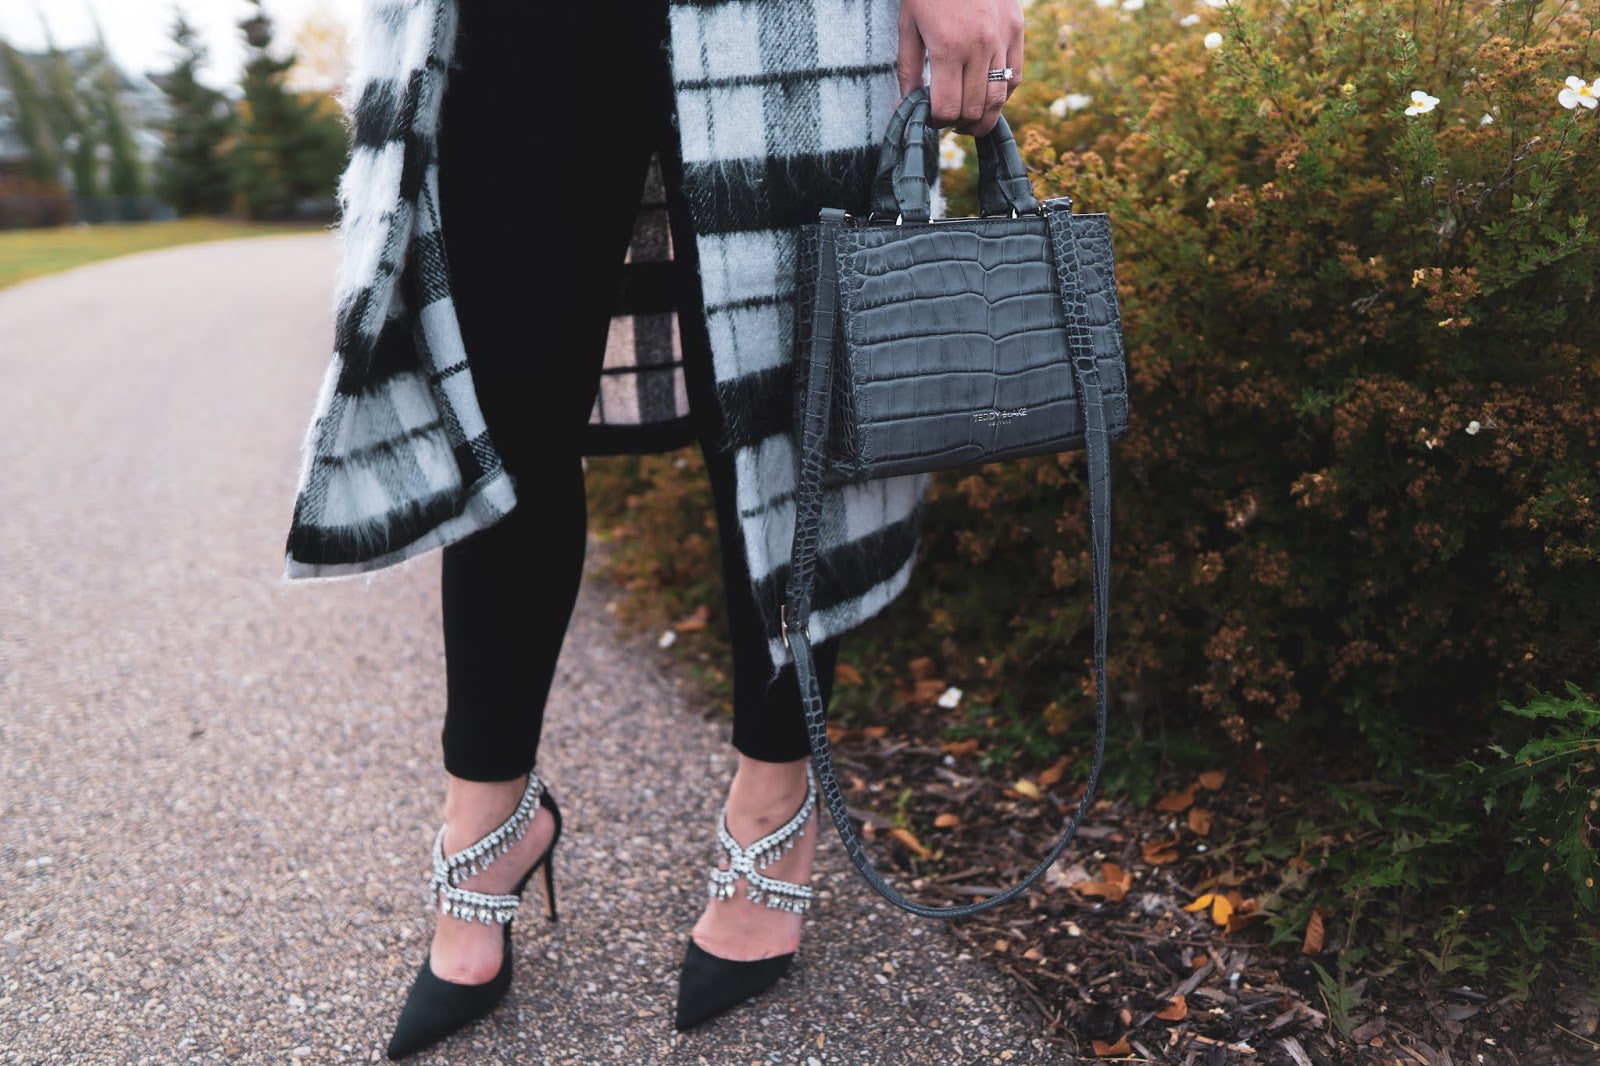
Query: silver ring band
(1004, 74)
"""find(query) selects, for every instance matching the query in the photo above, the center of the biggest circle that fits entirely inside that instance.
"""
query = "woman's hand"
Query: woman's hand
(962, 40)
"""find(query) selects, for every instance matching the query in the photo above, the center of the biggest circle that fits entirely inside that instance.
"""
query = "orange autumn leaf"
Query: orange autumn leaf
(1160, 852)
(836, 733)
(1221, 910)
(1176, 801)
(928, 691)
(1175, 1011)
(1221, 907)
(1199, 821)
(845, 674)
(1113, 884)
(874, 732)
(1053, 773)
(921, 668)
(1212, 780)
(906, 837)
(947, 821)
(1106, 1051)
(956, 747)
(1314, 934)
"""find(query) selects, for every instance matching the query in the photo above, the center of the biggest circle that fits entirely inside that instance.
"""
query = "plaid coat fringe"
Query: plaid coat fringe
(780, 106)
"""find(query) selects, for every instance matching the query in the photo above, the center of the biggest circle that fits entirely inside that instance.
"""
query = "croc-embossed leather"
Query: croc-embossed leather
(929, 346)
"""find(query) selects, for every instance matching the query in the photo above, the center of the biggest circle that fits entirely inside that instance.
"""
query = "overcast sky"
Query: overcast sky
(136, 30)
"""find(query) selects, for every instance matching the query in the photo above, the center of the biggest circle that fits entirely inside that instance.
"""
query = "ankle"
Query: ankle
(764, 795)
(473, 809)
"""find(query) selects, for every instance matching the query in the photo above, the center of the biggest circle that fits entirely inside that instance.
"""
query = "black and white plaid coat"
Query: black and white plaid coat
(780, 105)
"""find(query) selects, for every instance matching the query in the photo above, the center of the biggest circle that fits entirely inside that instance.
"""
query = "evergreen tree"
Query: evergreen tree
(125, 173)
(193, 175)
(33, 117)
(71, 122)
(283, 151)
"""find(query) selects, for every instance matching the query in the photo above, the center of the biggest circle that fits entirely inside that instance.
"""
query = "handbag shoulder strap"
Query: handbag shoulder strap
(808, 515)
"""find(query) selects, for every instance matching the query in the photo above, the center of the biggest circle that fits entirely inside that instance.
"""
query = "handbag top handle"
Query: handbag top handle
(901, 187)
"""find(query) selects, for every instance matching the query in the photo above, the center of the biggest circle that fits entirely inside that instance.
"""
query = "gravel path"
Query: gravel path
(217, 790)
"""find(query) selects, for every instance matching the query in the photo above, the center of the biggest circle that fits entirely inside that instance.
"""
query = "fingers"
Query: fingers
(947, 91)
(992, 95)
(1014, 58)
(913, 55)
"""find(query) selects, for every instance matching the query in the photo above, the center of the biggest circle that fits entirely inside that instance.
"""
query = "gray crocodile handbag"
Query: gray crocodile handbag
(931, 345)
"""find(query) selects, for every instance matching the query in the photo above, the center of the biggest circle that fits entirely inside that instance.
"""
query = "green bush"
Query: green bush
(1361, 479)
(1482, 866)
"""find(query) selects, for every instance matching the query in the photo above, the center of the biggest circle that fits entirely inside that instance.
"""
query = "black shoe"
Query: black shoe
(434, 1007)
(709, 984)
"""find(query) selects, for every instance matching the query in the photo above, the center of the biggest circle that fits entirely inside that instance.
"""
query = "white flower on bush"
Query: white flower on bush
(1421, 103)
(1218, 3)
(1473, 427)
(1486, 120)
(1132, 5)
(951, 155)
(1070, 102)
(1578, 92)
(1105, 3)
(950, 698)
(1212, 40)
(1189, 20)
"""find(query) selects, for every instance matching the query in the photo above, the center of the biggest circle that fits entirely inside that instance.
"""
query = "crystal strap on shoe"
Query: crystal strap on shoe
(450, 871)
(748, 862)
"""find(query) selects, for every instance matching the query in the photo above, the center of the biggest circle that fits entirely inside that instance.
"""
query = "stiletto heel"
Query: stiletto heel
(709, 984)
(550, 885)
(434, 1007)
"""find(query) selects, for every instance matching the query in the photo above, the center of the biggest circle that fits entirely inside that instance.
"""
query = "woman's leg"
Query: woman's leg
(508, 592)
(769, 727)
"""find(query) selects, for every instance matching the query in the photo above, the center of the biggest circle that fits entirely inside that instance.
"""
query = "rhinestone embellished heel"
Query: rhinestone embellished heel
(434, 1007)
(709, 984)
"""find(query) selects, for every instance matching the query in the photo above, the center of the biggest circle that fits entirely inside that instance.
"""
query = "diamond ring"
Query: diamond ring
(1004, 74)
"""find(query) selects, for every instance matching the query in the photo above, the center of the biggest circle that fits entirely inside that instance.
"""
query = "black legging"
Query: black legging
(538, 213)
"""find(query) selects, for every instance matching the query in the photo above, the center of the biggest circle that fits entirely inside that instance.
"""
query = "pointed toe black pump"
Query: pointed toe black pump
(709, 984)
(434, 1007)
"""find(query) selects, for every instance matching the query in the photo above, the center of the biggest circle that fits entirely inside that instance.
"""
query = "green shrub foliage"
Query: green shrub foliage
(1365, 351)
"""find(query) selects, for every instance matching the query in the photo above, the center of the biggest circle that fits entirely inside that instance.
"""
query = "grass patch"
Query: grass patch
(33, 253)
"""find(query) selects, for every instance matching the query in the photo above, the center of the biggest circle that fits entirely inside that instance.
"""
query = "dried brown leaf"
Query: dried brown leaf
(1199, 821)
(928, 691)
(695, 622)
(1107, 1051)
(874, 732)
(1160, 852)
(1113, 884)
(1175, 1011)
(1052, 774)
(951, 747)
(1176, 801)
(1314, 934)
(921, 668)
(947, 821)
(1212, 780)
(845, 674)
(909, 839)
(1029, 789)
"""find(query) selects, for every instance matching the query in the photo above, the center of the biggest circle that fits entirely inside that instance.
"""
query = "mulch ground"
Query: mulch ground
(1148, 942)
